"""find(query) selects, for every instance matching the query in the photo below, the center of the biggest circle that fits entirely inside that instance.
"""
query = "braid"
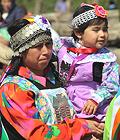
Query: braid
(16, 63)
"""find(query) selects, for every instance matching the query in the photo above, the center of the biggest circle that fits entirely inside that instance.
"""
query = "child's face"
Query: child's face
(6, 5)
(95, 36)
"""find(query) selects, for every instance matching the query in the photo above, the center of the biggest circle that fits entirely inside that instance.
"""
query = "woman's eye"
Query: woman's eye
(50, 43)
(39, 45)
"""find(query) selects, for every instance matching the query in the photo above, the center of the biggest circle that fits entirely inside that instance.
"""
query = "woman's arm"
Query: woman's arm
(18, 108)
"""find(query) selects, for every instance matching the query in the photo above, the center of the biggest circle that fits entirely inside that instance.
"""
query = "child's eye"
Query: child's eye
(105, 29)
(96, 29)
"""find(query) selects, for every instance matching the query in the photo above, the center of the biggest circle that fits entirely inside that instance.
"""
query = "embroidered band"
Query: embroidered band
(83, 18)
(97, 11)
(30, 35)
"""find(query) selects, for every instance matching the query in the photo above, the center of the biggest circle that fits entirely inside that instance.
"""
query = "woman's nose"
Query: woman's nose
(45, 49)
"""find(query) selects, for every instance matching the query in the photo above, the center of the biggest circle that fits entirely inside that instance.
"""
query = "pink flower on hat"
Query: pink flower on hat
(100, 11)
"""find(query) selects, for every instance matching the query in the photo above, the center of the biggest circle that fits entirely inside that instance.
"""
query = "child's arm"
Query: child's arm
(110, 83)
(107, 89)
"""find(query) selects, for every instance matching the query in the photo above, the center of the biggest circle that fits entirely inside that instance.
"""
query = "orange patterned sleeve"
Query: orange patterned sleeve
(18, 108)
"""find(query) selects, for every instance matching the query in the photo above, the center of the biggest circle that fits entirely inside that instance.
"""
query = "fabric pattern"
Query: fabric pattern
(22, 112)
(47, 101)
(112, 122)
(81, 85)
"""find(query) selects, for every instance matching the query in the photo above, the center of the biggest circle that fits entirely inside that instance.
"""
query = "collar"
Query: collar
(25, 72)
(82, 50)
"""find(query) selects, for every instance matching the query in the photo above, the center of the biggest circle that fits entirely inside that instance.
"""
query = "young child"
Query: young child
(88, 69)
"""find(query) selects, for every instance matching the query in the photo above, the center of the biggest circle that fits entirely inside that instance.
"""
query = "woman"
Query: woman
(32, 104)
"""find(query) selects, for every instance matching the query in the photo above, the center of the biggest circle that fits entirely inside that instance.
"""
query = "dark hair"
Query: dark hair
(82, 27)
(16, 61)
(20, 23)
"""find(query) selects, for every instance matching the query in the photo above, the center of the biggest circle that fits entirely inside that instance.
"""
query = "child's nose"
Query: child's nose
(102, 33)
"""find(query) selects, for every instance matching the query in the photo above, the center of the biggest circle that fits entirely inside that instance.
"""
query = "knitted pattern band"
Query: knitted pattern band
(97, 11)
(30, 35)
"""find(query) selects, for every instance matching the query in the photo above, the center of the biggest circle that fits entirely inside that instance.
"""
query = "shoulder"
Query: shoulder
(12, 93)
(66, 42)
(104, 50)
(11, 81)
(17, 84)
(10, 89)
(103, 55)
(107, 54)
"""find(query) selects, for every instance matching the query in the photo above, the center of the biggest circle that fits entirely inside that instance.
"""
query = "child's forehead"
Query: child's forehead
(96, 24)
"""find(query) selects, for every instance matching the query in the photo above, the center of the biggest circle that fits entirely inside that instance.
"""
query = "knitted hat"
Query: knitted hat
(31, 35)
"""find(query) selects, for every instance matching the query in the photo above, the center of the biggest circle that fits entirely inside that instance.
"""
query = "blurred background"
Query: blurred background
(45, 6)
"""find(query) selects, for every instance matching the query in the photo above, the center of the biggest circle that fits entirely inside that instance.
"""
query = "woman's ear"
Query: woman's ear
(78, 34)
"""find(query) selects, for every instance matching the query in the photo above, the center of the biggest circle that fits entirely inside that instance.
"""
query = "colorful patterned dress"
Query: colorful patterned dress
(94, 78)
(24, 109)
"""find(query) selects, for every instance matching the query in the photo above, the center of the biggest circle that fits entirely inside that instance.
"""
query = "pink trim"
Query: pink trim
(81, 57)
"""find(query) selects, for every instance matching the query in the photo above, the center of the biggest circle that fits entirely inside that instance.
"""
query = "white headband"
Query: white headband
(97, 11)
(83, 18)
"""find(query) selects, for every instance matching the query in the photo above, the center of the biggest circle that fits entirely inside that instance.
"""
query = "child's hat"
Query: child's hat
(95, 12)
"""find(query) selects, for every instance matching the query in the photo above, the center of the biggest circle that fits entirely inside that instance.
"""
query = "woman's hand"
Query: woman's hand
(90, 107)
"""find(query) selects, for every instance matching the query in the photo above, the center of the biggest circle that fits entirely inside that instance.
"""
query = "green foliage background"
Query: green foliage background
(48, 5)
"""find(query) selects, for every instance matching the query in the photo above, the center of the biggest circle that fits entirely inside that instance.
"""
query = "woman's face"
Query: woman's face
(6, 5)
(37, 58)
